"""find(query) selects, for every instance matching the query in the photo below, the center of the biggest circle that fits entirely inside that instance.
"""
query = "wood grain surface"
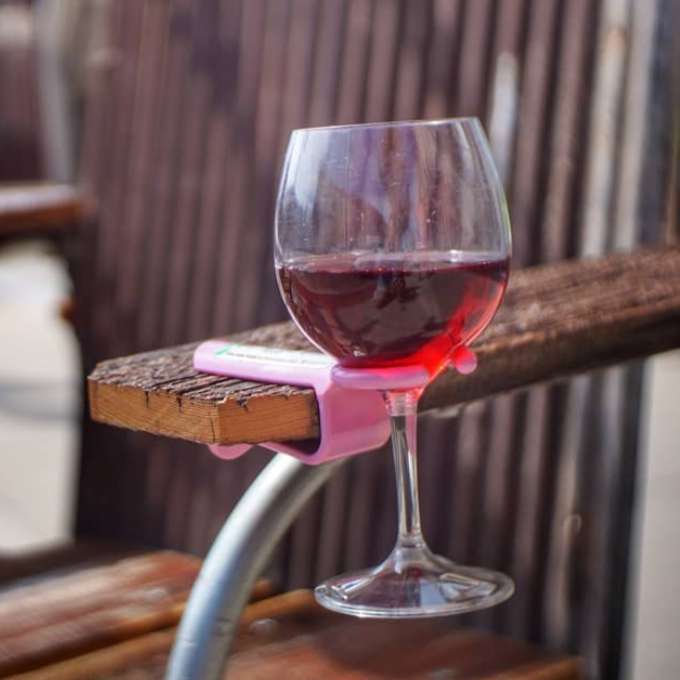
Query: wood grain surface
(556, 320)
(289, 636)
(62, 618)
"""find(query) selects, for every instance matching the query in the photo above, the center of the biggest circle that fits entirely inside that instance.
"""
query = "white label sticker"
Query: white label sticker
(273, 354)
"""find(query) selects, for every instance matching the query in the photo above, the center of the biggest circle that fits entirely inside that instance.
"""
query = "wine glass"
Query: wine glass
(392, 254)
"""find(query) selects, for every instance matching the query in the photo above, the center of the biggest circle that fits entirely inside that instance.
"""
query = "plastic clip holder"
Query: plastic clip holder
(352, 415)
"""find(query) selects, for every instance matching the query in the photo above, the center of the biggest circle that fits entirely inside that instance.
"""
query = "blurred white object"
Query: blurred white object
(32, 279)
(39, 399)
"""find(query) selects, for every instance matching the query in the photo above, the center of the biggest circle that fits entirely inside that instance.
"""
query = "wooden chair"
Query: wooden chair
(190, 108)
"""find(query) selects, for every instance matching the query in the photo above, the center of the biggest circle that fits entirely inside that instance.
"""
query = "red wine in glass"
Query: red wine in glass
(397, 309)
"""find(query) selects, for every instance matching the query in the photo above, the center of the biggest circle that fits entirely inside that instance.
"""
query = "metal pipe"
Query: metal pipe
(237, 557)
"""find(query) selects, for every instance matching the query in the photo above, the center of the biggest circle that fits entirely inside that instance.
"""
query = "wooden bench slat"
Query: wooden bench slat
(66, 617)
(40, 208)
(289, 636)
(556, 320)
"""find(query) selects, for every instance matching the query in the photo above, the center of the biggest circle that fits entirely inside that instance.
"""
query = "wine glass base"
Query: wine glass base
(419, 588)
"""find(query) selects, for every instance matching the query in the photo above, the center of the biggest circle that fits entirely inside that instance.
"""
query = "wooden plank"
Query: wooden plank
(412, 66)
(639, 208)
(138, 208)
(568, 134)
(109, 255)
(444, 43)
(355, 62)
(556, 320)
(191, 190)
(473, 64)
(102, 84)
(135, 215)
(26, 567)
(504, 97)
(241, 168)
(20, 130)
(165, 182)
(602, 160)
(40, 208)
(213, 214)
(527, 190)
(94, 608)
(179, 270)
(386, 35)
(291, 637)
(649, 133)
(281, 105)
(100, 141)
(325, 89)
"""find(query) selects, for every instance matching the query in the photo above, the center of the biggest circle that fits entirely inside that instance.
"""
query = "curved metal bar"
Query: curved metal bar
(238, 556)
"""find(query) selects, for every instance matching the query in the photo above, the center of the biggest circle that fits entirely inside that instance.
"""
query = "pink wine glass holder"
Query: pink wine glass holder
(352, 415)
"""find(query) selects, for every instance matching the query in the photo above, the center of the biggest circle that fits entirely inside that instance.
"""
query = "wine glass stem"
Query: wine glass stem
(402, 408)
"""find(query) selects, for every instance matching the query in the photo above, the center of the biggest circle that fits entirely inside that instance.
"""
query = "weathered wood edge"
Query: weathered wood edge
(631, 309)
